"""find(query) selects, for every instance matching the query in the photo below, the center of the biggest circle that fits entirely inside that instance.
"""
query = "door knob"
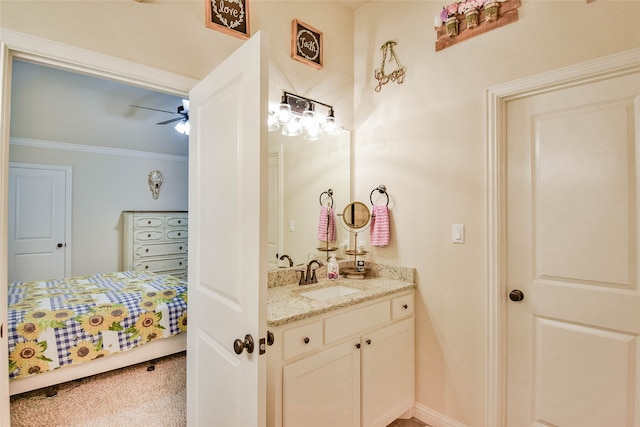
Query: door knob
(516, 295)
(59, 245)
(239, 346)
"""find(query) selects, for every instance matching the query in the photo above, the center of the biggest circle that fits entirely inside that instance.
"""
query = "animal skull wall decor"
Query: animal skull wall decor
(155, 182)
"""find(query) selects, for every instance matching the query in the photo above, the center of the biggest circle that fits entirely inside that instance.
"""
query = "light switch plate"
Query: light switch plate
(457, 233)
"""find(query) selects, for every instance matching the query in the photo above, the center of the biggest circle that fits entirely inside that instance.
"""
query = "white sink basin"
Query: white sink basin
(329, 292)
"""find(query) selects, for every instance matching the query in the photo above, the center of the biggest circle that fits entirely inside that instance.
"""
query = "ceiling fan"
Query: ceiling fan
(182, 111)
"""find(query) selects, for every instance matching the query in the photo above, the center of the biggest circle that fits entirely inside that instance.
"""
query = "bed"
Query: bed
(61, 330)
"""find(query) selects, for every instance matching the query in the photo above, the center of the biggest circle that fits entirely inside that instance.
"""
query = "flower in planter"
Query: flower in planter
(447, 13)
(469, 8)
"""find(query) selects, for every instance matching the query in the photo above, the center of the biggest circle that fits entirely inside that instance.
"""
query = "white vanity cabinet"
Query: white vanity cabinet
(352, 367)
(155, 241)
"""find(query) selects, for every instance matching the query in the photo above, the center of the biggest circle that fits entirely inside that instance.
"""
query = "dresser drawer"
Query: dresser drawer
(402, 306)
(355, 322)
(177, 234)
(303, 339)
(161, 264)
(148, 222)
(144, 250)
(148, 236)
(178, 221)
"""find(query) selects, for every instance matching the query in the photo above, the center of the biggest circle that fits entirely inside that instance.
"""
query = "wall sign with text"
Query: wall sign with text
(228, 16)
(306, 44)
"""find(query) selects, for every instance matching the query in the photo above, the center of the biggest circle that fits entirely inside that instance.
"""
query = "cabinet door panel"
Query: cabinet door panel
(324, 389)
(387, 373)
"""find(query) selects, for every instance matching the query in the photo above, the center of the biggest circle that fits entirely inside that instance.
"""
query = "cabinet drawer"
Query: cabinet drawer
(161, 265)
(159, 249)
(149, 222)
(300, 340)
(148, 236)
(177, 234)
(402, 306)
(177, 221)
(356, 321)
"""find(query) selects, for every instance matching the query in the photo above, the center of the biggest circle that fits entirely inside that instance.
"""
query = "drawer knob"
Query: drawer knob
(306, 340)
(368, 342)
(148, 222)
(146, 267)
(358, 345)
(180, 247)
(148, 235)
(405, 306)
(146, 250)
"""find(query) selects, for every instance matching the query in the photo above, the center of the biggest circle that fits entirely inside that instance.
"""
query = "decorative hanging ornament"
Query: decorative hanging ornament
(396, 75)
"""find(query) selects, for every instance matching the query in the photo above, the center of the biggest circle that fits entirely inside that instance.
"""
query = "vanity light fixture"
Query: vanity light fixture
(297, 115)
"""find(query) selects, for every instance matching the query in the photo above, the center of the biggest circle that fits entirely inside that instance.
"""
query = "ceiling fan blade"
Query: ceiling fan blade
(166, 122)
(153, 109)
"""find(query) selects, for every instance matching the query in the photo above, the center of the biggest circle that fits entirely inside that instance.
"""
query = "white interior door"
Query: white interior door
(38, 222)
(573, 224)
(228, 241)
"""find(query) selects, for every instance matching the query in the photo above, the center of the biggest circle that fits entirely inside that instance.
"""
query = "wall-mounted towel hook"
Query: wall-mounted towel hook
(382, 189)
(329, 194)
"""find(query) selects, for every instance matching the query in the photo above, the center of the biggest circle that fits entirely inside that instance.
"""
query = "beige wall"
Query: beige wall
(425, 140)
(171, 36)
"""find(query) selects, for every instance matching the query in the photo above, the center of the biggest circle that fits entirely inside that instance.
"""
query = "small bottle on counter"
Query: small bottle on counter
(333, 268)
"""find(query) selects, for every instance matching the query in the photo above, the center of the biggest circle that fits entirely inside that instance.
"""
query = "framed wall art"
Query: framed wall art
(306, 44)
(228, 16)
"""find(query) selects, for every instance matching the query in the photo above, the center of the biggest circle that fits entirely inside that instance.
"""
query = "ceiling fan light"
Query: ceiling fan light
(183, 127)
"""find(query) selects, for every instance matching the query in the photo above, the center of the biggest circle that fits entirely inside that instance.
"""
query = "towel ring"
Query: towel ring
(382, 190)
(329, 193)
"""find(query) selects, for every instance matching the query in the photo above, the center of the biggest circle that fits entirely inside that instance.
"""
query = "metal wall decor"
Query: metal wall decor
(228, 16)
(396, 75)
(154, 180)
(306, 44)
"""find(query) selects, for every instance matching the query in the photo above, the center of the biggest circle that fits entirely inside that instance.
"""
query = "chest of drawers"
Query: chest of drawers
(155, 241)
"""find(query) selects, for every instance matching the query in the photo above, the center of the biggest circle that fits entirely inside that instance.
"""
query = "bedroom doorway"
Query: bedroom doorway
(39, 222)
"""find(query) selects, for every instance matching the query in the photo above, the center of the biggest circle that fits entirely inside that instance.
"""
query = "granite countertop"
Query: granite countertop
(285, 305)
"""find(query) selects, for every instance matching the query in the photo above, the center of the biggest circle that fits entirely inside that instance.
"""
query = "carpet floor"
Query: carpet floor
(133, 396)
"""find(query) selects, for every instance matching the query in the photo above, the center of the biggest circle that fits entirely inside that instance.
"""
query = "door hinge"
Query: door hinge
(263, 346)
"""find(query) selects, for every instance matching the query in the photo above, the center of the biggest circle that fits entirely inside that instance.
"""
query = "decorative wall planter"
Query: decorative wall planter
(451, 25)
(506, 12)
(471, 18)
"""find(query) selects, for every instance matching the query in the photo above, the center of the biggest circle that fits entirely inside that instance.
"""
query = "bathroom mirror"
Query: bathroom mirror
(356, 215)
(299, 172)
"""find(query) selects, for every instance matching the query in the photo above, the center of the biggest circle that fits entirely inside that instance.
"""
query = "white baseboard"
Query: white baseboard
(434, 418)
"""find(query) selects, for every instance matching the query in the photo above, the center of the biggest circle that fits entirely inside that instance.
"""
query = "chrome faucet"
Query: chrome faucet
(310, 277)
(287, 257)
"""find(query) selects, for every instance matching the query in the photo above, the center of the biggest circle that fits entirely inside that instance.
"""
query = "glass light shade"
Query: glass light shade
(308, 119)
(330, 126)
(273, 121)
(284, 113)
(183, 127)
(312, 134)
(292, 128)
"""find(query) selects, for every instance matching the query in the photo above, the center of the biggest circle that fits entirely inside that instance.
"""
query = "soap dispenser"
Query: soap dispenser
(333, 268)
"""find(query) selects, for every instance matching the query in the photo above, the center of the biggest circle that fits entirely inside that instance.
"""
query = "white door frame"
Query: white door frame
(46, 52)
(68, 171)
(620, 64)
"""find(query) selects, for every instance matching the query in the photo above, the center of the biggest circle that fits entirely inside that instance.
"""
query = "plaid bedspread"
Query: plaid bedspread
(61, 322)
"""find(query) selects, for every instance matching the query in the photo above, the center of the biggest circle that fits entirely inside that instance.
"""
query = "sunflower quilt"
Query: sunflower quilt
(57, 323)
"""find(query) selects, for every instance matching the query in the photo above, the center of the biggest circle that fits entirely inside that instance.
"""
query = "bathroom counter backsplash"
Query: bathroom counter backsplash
(285, 305)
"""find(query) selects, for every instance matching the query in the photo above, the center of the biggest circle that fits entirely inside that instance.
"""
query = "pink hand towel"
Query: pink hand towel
(379, 235)
(327, 225)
